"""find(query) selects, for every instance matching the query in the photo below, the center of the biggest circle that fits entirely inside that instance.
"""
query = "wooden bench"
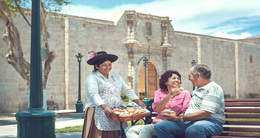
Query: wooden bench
(52, 105)
(242, 118)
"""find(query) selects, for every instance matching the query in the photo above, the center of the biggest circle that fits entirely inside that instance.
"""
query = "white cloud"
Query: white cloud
(231, 36)
(200, 16)
(86, 11)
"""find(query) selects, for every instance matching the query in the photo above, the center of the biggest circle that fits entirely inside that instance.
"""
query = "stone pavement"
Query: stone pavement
(65, 118)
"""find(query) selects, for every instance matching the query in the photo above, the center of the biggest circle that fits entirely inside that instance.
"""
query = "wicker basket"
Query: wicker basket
(130, 118)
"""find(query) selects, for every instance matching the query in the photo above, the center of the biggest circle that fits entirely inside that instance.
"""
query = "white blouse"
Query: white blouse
(95, 84)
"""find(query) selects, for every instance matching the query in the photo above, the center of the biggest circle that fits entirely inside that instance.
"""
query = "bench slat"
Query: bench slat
(242, 104)
(227, 137)
(242, 115)
(242, 122)
(244, 110)
(243, 100)
(242, 129)
(241, 135)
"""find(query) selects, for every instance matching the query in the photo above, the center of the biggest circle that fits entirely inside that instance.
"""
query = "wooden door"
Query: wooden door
(151, 81)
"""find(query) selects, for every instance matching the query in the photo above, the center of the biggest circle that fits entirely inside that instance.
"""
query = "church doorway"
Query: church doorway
(151, 81)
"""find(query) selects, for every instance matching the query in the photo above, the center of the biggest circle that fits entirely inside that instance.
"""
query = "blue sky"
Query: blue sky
(235, 19)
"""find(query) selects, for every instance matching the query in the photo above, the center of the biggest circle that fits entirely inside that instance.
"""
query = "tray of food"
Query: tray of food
(129, 113)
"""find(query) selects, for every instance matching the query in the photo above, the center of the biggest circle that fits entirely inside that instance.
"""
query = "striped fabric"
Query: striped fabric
(209, 98)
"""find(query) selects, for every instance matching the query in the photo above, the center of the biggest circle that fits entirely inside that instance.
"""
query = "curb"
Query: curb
(2, 115)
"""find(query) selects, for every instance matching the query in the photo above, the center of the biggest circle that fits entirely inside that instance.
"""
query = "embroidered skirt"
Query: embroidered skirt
(90, 130)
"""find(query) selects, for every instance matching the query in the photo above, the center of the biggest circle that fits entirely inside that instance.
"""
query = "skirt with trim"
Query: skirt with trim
(90, 130)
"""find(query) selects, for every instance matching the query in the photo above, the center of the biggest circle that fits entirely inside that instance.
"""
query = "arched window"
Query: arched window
(148, 27)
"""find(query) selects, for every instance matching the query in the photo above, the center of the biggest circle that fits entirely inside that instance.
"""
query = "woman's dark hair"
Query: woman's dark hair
(99, 62)
(165, 76)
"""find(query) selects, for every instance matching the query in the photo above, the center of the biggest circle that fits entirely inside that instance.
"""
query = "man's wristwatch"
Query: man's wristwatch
(182, 119)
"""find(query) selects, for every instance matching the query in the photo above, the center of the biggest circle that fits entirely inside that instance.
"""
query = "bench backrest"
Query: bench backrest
(50, 102)
(242, 117)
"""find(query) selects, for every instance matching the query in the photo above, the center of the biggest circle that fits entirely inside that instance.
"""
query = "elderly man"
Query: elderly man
(205, 114)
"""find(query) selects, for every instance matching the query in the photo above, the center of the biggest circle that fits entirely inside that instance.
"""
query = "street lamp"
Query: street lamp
(193, 63)
(36, 122)
(79, 105)
(145, 60)
(145, 66)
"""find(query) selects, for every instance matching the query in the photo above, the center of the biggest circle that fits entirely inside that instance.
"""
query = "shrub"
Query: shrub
(124, 98)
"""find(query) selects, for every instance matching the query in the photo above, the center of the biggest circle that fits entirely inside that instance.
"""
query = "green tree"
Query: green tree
(14, 56)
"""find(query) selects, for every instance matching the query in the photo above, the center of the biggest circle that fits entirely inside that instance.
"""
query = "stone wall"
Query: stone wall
(125, 35)
(221, 61)
(248, 72)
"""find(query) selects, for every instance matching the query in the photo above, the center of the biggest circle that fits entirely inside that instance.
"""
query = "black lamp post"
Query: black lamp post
(145, 66)
(193, 63)
(36, 122)
(145, 59)
(79, 105)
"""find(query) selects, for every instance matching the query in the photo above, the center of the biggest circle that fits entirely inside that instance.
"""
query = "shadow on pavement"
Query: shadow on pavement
(7, 122)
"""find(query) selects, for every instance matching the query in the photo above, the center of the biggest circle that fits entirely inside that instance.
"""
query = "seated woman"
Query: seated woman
(170, 96)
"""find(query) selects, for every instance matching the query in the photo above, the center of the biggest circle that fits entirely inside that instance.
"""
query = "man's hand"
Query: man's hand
(202, 114)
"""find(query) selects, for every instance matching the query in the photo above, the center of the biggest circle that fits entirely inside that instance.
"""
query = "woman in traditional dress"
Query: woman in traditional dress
(103, 94)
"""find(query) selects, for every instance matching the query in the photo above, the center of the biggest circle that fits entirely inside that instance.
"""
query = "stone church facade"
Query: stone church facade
(235, 64)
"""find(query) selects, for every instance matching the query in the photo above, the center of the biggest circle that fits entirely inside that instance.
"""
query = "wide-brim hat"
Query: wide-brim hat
(93, 57)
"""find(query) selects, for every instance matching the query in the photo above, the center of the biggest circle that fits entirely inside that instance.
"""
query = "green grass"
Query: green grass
(69, 129)
(80, 127)
(242, 119)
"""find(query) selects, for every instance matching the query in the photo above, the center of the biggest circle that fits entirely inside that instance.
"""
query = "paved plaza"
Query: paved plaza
(65, 118)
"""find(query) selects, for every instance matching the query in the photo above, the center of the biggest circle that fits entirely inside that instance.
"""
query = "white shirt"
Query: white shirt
(95, 84)
(209, 98)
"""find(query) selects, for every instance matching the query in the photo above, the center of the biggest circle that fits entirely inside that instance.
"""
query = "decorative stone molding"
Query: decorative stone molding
(166, 23)
(165, 40)
(148, 38)
(131, 20)
(140, 46)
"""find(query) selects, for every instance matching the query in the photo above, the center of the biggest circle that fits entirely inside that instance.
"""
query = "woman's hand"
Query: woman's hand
(139, 102)
(108, 111)
(175, 91)
(157, 120)
(170, 117)
(182, 114)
